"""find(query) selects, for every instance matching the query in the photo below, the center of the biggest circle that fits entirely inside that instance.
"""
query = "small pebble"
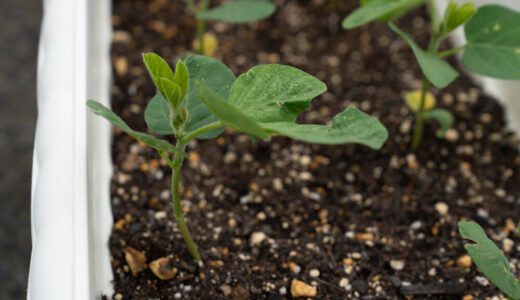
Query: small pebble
(314, 273)
(257, 238)
(397, 265)
(416, 225)
(464, 261)
(508, 244)
(300, 289)
(441, 208)
(344, 282)
(452, 135)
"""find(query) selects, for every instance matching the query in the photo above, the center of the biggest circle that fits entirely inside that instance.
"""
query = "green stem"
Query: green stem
(176, 199)
(166, 158)
(201, 26)
(419, 122)
(201, 29)
(433, 16)
(200, 131)
(450, 51)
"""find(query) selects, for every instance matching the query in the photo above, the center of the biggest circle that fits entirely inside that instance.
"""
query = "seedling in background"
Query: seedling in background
(238, 11)
(203, 97)
(492, 49)
(489, 259)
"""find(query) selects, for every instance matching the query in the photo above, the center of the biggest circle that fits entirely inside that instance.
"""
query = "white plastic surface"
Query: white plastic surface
(506, 91)
(70, 208)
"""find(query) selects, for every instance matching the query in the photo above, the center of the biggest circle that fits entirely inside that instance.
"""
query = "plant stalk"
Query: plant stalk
(176, 199)
(419, 120)
(201, 27)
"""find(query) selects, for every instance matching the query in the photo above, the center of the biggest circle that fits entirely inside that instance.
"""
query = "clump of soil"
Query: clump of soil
(345, 220)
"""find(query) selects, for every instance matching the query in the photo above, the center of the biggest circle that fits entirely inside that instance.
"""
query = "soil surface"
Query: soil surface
(350, 221)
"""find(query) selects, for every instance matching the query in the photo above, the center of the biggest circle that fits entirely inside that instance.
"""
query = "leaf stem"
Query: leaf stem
(433, 16)
(451, 51)
(419, 122)
(200, 131)
(165, 157)
(176, 199)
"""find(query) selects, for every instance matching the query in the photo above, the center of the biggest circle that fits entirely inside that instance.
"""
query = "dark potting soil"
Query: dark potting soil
(353, 222)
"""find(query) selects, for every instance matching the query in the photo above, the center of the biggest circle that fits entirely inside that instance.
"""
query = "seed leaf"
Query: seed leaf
(216, 76)
(443, 117)
(157, 116)
(349, 126)
(227, 113)
(490, 260)
(240, 11)
(274, 93)
(162, 145)
(379, 10)
(493, 48)
(438, 72)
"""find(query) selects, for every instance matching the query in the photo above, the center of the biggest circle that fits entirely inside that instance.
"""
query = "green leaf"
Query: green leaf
(274, 93)
(228, 114)
(493, 48)
(162, 145)
(182, 78)
(349, 126)
(443, 117)
(240, 11)
(158, 69)
(379, 10)
(438, 72)
(157, 116)
(490, 260)
(454, 16)
(171, 91)
(215, 75)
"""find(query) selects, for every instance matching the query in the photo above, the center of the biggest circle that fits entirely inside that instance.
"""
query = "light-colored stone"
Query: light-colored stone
(442, 208)
(314, 273)
(257, 238)
(464, 261)
(451, 135)
(300, 289)
(508, 244)
(397, 264)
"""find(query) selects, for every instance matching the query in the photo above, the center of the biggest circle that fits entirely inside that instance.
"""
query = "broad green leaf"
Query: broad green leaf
(227, 113)
(493, 48)
(274, 93)
(182, 78)
(349, 126)
(379, 10)
(490, 260)
(443, 117)
(100, 109)
(158, 68)
(215, 75)
(157, 116)
(438, 72)
(239, 11)
(454, 16)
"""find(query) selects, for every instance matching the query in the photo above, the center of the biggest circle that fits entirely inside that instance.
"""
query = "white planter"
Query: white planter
(506, 91)
(71, 215)
(70, 206)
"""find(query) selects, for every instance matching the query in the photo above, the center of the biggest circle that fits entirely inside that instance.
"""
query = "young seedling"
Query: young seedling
(489, 259)
(237, 11)
(492, 49)
(203, 97)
